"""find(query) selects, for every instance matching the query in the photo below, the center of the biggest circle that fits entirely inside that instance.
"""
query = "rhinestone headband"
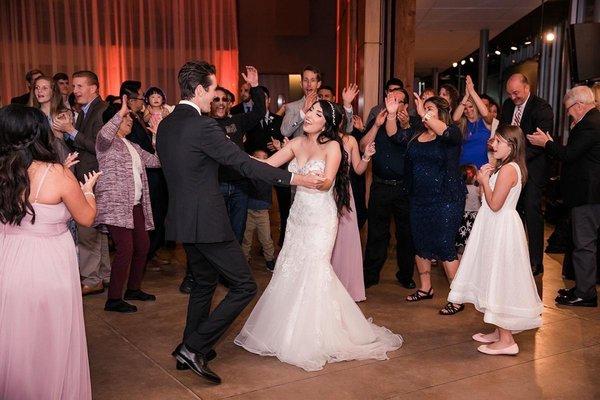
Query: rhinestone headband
(332, 113)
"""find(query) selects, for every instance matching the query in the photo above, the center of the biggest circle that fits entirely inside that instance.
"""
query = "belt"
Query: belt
(389, 182)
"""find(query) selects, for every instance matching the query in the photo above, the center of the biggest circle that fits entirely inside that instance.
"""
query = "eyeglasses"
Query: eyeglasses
(224, 99)
(568, 108)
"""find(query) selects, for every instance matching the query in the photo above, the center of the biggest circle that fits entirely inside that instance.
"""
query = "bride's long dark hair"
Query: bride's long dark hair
(24, 137)
(333, 116)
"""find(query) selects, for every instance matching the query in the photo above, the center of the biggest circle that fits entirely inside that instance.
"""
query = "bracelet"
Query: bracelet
(365, 159)
(90, 194)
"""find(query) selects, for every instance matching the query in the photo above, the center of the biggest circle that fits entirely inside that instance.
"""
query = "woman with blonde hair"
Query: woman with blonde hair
(475, 123)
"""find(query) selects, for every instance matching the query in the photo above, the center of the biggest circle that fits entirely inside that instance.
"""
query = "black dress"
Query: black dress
(437, 194)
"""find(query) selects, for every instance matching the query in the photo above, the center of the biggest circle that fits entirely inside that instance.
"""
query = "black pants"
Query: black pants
(586, 222)
(159, 198)
(386, 201)
(530, 208)
(206, 261)
(284, 201)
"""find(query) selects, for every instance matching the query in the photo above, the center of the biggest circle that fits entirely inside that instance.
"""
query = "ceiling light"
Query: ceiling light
(549, 37)
(497, 52)
(527, 43)
(513, 48)
(462, 62)
(455, 64)
(471, 59)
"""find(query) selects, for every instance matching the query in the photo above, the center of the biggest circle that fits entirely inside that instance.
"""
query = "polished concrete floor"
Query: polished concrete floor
(130, 354)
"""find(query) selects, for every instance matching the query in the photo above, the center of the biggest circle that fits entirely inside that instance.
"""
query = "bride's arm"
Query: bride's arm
(284, 155)
(332, 164)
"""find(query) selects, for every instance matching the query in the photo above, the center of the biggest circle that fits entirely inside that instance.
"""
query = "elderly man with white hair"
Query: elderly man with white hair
(580, 180)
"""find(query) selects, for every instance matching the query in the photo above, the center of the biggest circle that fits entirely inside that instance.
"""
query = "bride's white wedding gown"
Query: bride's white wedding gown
(306, 317)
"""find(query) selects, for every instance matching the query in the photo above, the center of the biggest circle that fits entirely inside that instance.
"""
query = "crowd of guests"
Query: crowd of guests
(452, 172)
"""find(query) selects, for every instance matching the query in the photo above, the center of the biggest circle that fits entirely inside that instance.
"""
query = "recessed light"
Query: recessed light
(513, 48)
(527, 43)
(497, 52)
(455, 64)
(462, 62)
(549, 36)
(471, 59)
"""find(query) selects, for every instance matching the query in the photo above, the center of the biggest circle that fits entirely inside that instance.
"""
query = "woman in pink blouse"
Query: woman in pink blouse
(124, 206)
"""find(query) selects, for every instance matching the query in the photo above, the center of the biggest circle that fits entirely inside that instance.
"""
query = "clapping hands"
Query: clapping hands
(539, 138)
(484, 173)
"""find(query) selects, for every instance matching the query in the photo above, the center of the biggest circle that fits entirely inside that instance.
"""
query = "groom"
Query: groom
(191, 146)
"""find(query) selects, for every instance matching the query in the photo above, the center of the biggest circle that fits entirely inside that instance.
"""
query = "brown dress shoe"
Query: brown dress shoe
(87, 290)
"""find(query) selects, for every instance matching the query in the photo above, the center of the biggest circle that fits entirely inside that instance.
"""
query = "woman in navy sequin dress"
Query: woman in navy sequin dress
(437, 192)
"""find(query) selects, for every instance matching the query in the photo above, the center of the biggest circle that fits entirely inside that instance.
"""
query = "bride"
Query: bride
(306, 317)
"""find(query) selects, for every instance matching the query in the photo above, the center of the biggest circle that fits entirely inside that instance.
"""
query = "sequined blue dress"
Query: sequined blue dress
(437, 194)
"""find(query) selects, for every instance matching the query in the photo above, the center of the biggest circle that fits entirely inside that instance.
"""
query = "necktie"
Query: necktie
(517, 119)
(79, 120)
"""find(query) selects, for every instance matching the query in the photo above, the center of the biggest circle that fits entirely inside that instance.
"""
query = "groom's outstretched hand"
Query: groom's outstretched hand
(251, 76)
(309, 181)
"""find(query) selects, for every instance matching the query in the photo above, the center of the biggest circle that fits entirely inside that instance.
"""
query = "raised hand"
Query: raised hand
(370, 150)
(90, 180)
(71, 160)
(419, 105)
(469, 85)
(358, 123)
(309, 101)
(274, 145)
(62, 124)
(349, 93)
(251, 76)
(380, 118)
(391, 104)
(124, 109)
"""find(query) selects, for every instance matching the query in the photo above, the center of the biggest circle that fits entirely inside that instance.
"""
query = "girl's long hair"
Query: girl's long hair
(516, 140)
(333, 116)
(56, 103)
(24, 137)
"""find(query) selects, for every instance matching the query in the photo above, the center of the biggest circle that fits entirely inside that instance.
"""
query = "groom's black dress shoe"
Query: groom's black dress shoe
(195, 362)
(566, 292)
(187, 285)
(211, 355)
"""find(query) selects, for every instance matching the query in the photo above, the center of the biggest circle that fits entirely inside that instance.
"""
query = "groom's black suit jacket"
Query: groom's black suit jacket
(191, 147)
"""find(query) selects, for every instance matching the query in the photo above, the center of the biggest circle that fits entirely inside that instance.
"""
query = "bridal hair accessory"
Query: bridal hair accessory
(332, 113)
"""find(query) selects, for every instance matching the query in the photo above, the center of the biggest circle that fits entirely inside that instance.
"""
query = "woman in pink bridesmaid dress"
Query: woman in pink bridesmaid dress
(347, 259)
(43, 351)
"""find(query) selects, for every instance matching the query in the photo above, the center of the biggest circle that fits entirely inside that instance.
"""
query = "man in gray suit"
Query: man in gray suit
(295, 111)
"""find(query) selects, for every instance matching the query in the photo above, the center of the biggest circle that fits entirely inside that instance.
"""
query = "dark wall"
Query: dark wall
(281, 37)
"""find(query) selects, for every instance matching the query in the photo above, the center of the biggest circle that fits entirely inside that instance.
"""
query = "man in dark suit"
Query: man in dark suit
(94, 262)
(246, 104)
(191, 147)
(530, 112)
(30, 78)
(580, 184)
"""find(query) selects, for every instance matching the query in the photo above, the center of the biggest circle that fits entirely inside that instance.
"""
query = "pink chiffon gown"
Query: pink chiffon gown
(43, 351)
(346, 260)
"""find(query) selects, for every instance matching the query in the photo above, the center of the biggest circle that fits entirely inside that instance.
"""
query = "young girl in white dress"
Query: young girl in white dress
(494, 272)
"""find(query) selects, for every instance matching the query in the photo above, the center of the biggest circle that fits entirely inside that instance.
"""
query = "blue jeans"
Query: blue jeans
(236, 200)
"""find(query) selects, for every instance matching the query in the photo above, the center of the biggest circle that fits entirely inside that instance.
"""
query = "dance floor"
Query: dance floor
(130, 354)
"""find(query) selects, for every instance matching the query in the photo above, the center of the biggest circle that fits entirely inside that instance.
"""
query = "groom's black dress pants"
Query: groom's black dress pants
(206, 261)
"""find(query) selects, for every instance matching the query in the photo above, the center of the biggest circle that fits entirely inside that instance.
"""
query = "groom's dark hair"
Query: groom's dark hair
(192, 74)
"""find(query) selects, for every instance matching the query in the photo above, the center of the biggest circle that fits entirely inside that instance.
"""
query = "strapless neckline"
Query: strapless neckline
(301, 169)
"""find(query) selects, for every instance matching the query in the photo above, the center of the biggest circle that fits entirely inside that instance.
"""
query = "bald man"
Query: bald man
(530, 112)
